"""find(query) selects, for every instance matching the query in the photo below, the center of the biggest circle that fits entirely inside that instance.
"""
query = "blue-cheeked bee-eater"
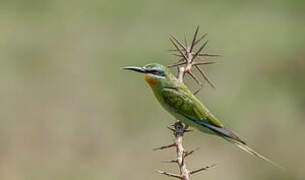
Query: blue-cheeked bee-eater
(180, 102)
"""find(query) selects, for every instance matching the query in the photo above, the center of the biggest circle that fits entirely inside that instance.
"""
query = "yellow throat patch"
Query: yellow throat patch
(152, 83)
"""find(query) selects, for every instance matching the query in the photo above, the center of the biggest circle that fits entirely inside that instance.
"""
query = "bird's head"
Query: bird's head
(154, 73)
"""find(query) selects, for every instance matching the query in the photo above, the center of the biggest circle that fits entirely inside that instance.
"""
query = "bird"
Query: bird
(176, 98)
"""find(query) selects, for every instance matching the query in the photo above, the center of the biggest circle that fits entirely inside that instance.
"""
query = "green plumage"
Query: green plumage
(179, 101)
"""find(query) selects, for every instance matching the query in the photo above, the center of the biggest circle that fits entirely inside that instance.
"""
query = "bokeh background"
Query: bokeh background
(69, 112)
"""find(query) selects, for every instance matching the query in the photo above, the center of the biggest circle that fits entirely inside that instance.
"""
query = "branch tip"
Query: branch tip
(185, 41)
(170, 161)
(187, 153)
(202, 169)
(176, 64)
(203, 63)
(209, 55)
(203, 36)
(170, 128)
(178, 42)
(200, 49)
(194, 39)
(169, 174)
(182, 54)
(205, 76)
(165, 147)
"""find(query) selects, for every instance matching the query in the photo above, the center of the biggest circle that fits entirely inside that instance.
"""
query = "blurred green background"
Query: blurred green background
(69, 112)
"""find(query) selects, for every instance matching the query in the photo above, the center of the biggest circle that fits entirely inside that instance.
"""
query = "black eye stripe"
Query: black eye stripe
(156, 72)
(153, 71)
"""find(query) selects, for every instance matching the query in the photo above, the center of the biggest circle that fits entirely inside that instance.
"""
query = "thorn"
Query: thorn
(173, 50)
(201, 169)
(169, 174)
(194, 39)
(198, 82)
(165, 147)
(177, 41)
(171, 161)
(210, 55)
(200, 39)
(181, 60)
(178, 48)
(187, 153)
(194, 77)
(197, 91)
(177, 55)
(200, 49)
(188, 130)
(185, 41)
(170, 128)
(176, 64)
(205, 76)
(202, 63)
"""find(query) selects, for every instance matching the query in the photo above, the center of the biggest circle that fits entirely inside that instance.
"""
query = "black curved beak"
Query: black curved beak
(134, 68)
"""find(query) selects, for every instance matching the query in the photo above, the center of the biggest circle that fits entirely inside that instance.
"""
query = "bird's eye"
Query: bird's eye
(155, 72)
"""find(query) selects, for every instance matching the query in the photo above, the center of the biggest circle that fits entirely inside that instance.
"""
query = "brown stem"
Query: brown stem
(180, 129)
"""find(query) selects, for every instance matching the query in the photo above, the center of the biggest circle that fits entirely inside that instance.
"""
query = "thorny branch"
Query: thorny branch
(187, 56)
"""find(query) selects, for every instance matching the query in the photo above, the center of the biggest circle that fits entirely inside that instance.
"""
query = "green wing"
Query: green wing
(186, 104)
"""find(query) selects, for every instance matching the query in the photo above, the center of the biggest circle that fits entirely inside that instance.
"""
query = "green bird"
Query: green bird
(180, 102)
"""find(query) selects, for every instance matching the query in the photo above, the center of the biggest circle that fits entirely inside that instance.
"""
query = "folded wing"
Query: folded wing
(187, 105)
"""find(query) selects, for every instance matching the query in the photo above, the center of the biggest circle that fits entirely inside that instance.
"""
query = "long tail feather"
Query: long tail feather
(234, 139)
(247, 149)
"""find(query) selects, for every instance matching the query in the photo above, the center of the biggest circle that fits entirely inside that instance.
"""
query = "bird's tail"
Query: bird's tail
(236, 140)
(247, 149)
